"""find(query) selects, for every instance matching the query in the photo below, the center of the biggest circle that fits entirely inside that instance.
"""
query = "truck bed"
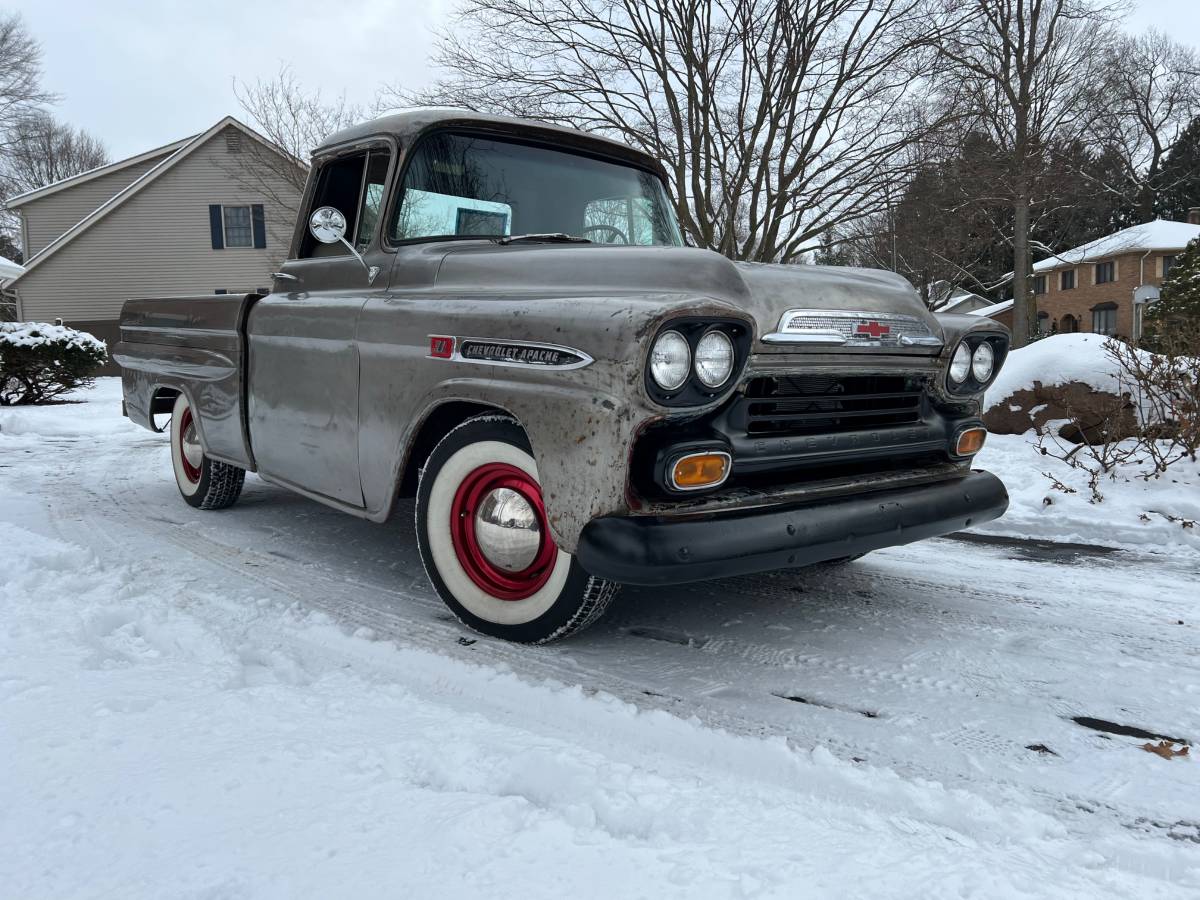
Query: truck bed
(195, 345)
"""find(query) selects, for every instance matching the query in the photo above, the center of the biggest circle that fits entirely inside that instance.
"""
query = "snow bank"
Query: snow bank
(100, 415)
(1058, 359)
(1134, 514)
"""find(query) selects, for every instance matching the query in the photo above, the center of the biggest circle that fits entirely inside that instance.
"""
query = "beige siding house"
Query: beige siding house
(200, 216)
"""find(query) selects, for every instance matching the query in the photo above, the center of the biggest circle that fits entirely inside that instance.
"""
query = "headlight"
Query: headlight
(960, 365)
(670, 361)
(714, 359)
(982, 362)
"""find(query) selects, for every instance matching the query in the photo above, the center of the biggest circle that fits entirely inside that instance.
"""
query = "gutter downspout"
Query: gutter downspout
(1137, 307)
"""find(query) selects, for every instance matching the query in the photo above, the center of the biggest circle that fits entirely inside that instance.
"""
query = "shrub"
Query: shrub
(39, 362)
(1172, 325)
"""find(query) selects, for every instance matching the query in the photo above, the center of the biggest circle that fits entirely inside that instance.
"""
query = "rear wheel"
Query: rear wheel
(485, 539)
(204, 483)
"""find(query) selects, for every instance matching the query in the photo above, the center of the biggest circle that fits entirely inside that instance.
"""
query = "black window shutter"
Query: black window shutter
(214, 224)
(260, 226)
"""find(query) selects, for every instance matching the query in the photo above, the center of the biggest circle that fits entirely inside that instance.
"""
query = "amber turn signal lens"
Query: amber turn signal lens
(970, 441)
(700, 470)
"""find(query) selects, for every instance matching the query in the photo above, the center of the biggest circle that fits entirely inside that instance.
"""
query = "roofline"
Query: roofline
(140, 184)
(1057, 261)
(83, 177)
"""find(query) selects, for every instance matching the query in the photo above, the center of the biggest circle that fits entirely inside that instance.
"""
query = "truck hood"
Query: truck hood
(650, 277)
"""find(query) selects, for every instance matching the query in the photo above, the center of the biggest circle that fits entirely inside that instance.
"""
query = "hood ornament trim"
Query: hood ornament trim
(838, 328)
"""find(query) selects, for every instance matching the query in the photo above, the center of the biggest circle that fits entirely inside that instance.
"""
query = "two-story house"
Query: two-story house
(207, 214)
(1093, 287)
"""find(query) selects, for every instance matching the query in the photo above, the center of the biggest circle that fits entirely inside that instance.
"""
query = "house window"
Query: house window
(1039, 284)
(1168, 264)
(238, 231)
(1043, 323)
(1104, 318)
(1105, 272)
(1067, 280)
(1068, 324)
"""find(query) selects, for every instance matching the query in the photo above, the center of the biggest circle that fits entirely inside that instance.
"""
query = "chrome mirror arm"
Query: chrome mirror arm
(372, 271)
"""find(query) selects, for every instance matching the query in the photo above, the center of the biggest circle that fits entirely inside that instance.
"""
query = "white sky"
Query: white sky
(138, 75)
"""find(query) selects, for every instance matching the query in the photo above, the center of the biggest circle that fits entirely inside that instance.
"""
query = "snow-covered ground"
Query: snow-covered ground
(1160, 514)
(269, 702)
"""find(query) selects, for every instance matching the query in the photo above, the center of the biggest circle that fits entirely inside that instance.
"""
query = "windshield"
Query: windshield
(460, 185)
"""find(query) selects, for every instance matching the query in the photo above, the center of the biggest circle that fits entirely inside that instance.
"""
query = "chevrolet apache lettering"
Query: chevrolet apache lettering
(500, 319)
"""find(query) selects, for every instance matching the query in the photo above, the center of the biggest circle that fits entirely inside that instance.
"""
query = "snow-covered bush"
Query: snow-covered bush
(39, 362)
(1104, 407)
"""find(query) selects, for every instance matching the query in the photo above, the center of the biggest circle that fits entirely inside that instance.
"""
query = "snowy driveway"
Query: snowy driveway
(952, 718)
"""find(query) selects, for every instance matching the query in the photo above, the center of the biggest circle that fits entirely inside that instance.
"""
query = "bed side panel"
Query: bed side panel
(195, 345)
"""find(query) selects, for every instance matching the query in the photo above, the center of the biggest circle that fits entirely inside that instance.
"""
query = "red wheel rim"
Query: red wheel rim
(498, 582)
(185, 422)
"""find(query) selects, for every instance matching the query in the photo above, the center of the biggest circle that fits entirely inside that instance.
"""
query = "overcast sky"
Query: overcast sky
(139, 75)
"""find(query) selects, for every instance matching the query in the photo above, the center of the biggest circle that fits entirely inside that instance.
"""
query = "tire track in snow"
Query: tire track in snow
(413, 616)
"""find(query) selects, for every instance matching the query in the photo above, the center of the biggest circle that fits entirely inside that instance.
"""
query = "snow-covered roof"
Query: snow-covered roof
(991, 311)
(1159, 235)
(9, 269)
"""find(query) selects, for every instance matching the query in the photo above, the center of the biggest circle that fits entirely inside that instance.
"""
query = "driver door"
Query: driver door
(303, 357)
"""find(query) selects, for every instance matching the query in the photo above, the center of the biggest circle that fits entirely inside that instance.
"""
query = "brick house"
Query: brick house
(1091, 288)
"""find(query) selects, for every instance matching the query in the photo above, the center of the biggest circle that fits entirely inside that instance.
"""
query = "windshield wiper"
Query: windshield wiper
(553, 237)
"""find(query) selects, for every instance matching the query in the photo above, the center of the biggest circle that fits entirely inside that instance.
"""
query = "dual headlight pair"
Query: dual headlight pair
(975, 362)
(692, 360)
(671, 360)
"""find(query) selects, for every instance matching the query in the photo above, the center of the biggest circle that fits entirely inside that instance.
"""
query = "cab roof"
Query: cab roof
(406, 126)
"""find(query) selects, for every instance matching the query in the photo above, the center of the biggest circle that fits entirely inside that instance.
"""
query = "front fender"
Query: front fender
(580, 440)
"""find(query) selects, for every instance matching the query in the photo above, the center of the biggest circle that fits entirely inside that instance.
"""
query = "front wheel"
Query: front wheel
(485, 539)
(203, 482)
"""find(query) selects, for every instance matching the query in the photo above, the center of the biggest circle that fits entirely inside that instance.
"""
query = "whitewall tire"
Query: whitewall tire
(485, 540)
(204, 483)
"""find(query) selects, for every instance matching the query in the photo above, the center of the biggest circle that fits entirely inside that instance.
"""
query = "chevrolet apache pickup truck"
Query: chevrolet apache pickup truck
(501, 319)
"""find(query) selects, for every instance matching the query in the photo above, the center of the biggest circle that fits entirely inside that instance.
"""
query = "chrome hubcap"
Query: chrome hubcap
(506, 527)
(190, 443)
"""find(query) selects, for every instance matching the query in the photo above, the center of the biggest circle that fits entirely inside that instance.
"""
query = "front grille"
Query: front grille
(813, 404)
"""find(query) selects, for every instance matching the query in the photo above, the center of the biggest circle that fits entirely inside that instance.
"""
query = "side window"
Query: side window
(354, 185)
(371, 204)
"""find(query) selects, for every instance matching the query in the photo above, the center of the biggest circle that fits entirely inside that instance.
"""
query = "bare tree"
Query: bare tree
(1029, 71)
(42, 151)
(1153, 87)
(21, 93)
(296, 121)
(777, 120)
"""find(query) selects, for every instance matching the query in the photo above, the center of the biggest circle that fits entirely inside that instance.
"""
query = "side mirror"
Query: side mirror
(328, 226)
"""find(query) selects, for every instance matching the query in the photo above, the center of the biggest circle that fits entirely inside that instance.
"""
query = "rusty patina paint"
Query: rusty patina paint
(324, 384)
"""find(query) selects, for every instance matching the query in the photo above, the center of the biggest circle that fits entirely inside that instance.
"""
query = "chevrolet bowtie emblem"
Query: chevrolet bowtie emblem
(874, 329)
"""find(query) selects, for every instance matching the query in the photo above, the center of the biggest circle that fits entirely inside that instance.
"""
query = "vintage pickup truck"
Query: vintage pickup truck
(500, 319)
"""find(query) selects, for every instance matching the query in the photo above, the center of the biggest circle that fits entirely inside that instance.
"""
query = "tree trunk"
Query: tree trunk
(1024, 306)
